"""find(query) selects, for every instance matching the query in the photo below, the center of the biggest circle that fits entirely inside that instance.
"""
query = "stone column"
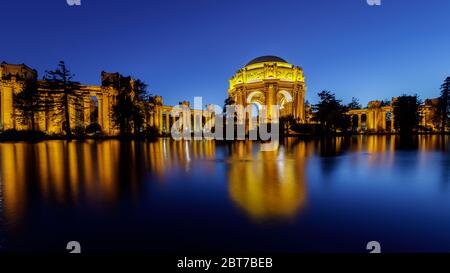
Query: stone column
(42, 123)
(160, 120)
(100, 111)
(392, 122)
(86, 111)
(167, 123)
(360, 122)
(106, 114)
(7, 108)
(155, 117)
(72, 112)
(301, 107)
(151, 119)
(424, 118)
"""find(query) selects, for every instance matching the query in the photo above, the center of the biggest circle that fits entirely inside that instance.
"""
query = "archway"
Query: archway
(93, 110)
(284, 101)
(364, 122)
(388, 121)
(257, 101)
(355, 124)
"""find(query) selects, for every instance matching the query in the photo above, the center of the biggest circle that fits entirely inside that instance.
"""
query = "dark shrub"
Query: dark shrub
(93, 129)
(79, 131)
(151, 132)
(14, 135)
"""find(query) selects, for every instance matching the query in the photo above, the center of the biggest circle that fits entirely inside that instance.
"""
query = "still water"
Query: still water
(198, 196)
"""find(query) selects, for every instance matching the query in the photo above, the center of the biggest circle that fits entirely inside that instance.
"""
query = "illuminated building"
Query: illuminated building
(264, 81)
(270, 81)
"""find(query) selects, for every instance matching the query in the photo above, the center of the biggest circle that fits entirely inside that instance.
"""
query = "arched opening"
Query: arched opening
(93, 110)
(165, 122)
(256, 99)
(256, 96)
(79, 119)
(388, 121)
(364, 122)
(284, 101)
(355, 124)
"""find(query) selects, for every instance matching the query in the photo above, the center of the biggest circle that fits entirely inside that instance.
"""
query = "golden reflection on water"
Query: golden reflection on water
(267, 185)
(264, 185)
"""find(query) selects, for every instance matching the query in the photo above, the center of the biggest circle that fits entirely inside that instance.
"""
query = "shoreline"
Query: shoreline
(41, 138)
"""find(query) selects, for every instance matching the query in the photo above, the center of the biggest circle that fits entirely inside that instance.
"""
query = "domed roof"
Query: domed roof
(267, 58)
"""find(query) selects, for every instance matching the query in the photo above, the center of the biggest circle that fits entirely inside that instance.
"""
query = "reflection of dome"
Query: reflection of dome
(264, 59)
(264, 187)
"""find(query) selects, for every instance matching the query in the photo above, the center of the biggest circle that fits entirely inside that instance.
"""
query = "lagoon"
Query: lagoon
(322, 195)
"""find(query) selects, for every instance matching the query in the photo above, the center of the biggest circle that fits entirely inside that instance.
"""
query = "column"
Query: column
(301, 107)
(167, 122)
(392, 122)
(151, 119)
(359, 126)
(42, 122)
(86, 111)
(106, 113)
(7, 108)
(100, 111)
(160, 120)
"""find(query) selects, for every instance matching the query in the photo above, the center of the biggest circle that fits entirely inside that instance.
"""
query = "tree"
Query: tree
(386, 102)
(150, 105)
(129, 111)
(122, 111)
(228, 102)
(308, 111)
(406, 112)
(444, 103)
(331, 113)
(61, 79)
(354, 104)
(29, 103)
(140, 97)
(286, 123)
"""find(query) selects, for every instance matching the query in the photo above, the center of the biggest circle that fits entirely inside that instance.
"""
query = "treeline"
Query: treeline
(133, 105)
(330, 115)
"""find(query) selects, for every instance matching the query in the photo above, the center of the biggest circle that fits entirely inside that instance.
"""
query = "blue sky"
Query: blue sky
(188, 48)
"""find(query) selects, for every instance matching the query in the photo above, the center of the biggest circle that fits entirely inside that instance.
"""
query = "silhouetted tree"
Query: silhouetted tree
(354, 104)
(29, 103)
(140, 102)
(406, 112)
(122, 111)
(331, 113)
(308, 111)
(128, 113)
(61, 79)
(386, 102)
(286, 123)
(444, 103)
(228, 101)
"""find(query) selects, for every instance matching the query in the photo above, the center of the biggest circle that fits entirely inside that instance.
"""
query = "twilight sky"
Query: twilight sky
(187, 48)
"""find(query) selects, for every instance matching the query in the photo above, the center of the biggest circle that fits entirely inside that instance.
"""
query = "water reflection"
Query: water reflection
(267, 185)
(100, 177)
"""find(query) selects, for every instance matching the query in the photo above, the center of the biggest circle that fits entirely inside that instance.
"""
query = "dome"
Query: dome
(267, 58)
